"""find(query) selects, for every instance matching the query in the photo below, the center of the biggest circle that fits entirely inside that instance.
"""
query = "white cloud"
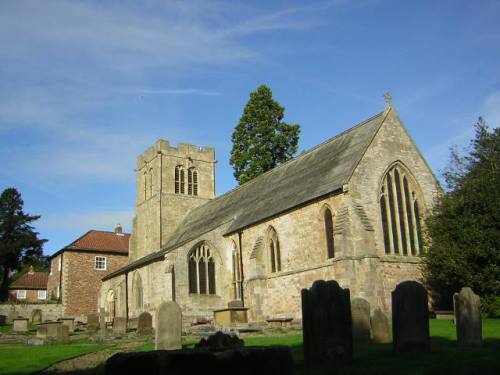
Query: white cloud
(491, 109)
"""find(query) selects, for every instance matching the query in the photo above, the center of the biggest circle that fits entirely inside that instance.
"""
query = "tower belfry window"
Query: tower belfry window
(192, 181)
(179, 180)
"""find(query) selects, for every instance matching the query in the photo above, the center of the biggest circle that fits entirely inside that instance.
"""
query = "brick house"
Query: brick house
(30, 287)
(77, 269)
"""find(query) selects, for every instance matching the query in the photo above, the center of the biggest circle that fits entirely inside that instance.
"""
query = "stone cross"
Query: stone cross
(144, 324)
(380, 327)
(102, 321)
(410, 318)
(388, 99)
(468, 317)
(326, 324)
(360, 312)
(168, 326)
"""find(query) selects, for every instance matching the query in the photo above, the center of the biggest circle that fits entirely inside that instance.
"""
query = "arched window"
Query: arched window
(330, 244)
(192, 181)
(138, 291)
(236, 272)
(145, 185)
(274, 251)
(201, 270)
(179, 179)
(400, 213)
(150, 182)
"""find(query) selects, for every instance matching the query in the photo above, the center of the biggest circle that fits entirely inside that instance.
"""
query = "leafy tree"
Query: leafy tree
(19, 243)
(261, 140)
(464, 228)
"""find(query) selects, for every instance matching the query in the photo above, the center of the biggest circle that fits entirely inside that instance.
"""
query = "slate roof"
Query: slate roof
(311, 175)
(34, 280)
(100, 241)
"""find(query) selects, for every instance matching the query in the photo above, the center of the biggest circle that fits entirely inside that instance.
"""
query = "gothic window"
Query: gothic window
(138, 291)
(150, 182)
(145, 185)
(201, 266)
(400, 213)
(179, 180)
(330, 248)
(274, 251)
(192, 181)
(236, 272)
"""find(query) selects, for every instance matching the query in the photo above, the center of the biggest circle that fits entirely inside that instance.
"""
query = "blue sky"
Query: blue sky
(87, 86)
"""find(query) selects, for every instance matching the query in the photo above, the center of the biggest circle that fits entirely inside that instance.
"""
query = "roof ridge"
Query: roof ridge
(104, 231)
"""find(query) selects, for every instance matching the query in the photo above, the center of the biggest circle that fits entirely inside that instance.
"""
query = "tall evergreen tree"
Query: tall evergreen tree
(19, 243)
(261, 140)
(464, 248)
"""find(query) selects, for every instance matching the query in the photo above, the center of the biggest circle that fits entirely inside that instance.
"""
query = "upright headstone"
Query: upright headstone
(468, 317)
(360, 312)
(145, 324)
(92, 322)
(70, 322)
(326, 324)
(20, 325)
(410, 318)
(168, 326)
(36, 316)
(62, 333)
(119, 325)
(380, 327)
(102, 321)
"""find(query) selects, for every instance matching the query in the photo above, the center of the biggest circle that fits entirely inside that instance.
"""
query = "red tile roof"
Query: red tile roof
(34, 280)
(95, 240)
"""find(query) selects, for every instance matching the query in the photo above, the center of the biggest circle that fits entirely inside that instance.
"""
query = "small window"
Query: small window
(42, 294)
(100, 263)
(21, 294)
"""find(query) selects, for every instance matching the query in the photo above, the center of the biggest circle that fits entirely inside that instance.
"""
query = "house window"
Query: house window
(42, 294)
(21, 294)
(100, 263)
(330, 248)
(192, 181)
(274, 251)
(201, 266)
(400, 215)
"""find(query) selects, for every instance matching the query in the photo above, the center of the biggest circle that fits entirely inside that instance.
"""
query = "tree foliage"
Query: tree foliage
(464, 228)
(19, 243)
(261, 140)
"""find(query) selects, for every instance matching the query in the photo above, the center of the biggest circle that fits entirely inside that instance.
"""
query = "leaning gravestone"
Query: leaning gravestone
(36, 316)
(468, 317)
(326, 324)
(410, 318)
(360, 312)
(380, 327)
(119, 325)
(168, 326)
(92, 322)
(144, 324)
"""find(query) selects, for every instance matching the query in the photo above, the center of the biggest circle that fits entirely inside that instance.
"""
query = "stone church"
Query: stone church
(350, 209)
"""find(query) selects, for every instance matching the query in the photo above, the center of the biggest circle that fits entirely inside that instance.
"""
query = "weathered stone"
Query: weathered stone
(360, 313)
(380, 327)
(3, 320)
(468, 317)
(230, 315)
(70, 322)
(145, 324)
(102, 321)
(235, 303)
(50, 330)
(168, 326)
(132, 323)
(326, 324)
(410, 318)
(119, 325)
(20, 325)
(220, 341)
(92, 322)
(35, 342)
(62, 333)
(242, 361)
(36, 316)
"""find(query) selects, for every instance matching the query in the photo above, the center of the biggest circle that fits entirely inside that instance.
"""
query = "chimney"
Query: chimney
(118, 229)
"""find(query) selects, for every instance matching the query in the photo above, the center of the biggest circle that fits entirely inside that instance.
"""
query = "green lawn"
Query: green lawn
(21, 359)
(8, 328)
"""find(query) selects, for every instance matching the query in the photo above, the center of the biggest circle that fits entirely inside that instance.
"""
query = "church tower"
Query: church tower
(170, 181)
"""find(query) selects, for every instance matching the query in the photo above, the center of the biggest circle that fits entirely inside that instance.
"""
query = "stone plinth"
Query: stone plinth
(20, 325)
(119, 325)
(48, 329)
(230, 315)
(70, 322)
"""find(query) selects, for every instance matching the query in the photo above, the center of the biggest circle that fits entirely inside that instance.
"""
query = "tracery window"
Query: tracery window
(179, 179)
(330, 244)
(400, 214)
(201, 270)
(236, 273)
(192, 181)
(274, 251)
(145, 185)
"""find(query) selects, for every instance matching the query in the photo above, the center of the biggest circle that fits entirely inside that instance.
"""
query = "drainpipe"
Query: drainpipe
(240, 234)
(126, 295)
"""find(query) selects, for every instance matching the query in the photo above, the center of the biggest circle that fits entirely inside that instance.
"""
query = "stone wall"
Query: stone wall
(50, 311)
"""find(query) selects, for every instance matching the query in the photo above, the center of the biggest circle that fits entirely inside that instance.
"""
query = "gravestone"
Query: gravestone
(62, 333)
(48, 330)
(468, 317)
(235, 303)
(3, 320)
(92, 322)
(326, 324)
(70, 322)
(168, 326)
(380, 327)
(36, 316)
(20, 325)
(144, 324)
(119, 325)
(410, 318)
(360, 312)
(102, 321)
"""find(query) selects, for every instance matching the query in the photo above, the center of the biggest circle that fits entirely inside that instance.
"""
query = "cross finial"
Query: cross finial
(388, 99)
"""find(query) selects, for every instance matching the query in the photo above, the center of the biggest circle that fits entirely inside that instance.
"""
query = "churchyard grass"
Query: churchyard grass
(22, 359)
(8, 328)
